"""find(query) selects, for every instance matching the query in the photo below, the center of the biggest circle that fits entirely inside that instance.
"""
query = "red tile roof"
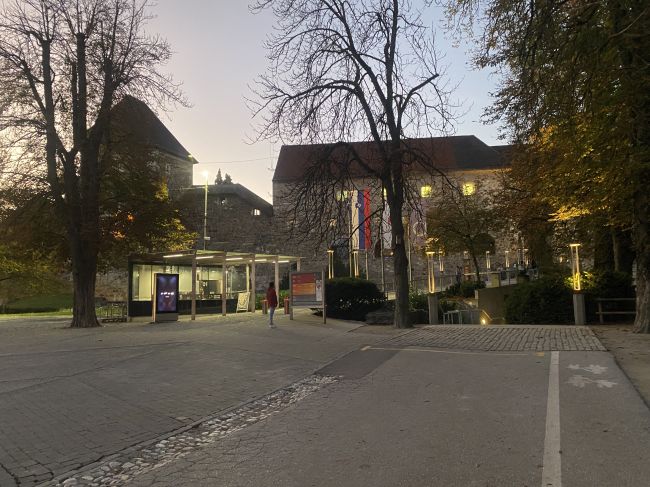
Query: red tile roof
(456, 153)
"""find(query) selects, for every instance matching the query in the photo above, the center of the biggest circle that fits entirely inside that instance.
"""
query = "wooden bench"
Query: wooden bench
(601, 313)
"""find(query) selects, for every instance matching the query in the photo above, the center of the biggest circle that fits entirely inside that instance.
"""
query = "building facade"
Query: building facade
(462, 161)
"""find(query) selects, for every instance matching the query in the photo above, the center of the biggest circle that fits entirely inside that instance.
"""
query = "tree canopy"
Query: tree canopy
(63, 66)
(574, 91)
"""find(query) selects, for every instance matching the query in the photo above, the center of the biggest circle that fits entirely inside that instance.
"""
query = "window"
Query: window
(256, 212)
(469, 188)
(343, 195)
(426, 191)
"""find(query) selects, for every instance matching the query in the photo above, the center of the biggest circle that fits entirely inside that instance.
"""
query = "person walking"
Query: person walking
(272, 300)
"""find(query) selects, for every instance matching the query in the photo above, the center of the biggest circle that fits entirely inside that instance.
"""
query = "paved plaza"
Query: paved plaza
(229, 402)
(71, 397)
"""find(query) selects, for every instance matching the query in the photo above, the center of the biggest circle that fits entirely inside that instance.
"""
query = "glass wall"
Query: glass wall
(208, 281)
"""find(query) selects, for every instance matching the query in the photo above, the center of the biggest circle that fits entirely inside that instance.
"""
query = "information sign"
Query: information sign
(307, 291)
(243, 300)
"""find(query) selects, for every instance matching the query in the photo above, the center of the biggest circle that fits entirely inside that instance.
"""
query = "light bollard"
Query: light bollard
(579, 313)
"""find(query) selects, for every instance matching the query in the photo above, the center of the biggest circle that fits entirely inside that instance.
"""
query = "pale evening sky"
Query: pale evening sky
(218, 52)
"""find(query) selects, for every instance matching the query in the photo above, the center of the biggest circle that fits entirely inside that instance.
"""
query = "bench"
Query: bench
(601, 313)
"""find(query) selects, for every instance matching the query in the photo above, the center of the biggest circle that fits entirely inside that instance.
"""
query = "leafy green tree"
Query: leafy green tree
(463, 222)
(574, 85)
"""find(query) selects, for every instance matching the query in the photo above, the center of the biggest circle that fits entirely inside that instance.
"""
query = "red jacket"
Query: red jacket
(272, 298)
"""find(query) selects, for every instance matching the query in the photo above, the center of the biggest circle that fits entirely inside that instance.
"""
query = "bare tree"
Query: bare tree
(65, 63)
(342, 71)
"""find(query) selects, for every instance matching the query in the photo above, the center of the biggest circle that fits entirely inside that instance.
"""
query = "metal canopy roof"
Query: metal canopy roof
(211, 257)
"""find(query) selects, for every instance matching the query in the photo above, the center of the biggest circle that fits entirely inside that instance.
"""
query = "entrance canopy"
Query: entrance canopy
(212, 280)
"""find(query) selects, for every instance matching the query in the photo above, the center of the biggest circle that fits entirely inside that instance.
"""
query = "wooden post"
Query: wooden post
(277, 275)
(600, 312)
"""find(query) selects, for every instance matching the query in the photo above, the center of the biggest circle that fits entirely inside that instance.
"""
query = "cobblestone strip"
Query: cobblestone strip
(501, 338)
(126, 466)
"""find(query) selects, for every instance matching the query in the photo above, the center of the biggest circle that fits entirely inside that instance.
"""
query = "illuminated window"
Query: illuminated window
(426, 191)
(343, 195)
(469, 189)
(256, 212)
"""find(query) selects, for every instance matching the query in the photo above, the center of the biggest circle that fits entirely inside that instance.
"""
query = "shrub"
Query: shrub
(281, 295)
(349, 298)
(418, 301)
(546, 300)
(419, 307)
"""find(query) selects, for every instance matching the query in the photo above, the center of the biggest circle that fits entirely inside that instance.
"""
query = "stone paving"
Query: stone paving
(501, 338)
(125, 467)
(69, 398)
(74, 398)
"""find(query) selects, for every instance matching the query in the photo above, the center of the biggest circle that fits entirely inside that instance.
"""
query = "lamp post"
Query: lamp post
(205, 211)
(330, 263)
(441, 269)
(579, 314)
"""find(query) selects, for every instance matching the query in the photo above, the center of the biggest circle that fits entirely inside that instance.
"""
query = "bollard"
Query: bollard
(265, 306)
(286, 306)
(432, 300)
(579, 314)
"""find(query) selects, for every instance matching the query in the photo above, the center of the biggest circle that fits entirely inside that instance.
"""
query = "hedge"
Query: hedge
(545, 300)
(350, 298)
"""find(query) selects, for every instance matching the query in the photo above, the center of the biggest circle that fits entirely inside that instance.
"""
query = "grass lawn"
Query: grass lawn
(45, 314)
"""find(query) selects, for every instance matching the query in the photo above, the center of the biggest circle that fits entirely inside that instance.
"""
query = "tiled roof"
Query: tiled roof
(138, 122)
(456, 153)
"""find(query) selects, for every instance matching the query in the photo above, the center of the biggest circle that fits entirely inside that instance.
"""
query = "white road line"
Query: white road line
(552, 471)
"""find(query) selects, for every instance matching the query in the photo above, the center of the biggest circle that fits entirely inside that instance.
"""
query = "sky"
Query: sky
(218, 53)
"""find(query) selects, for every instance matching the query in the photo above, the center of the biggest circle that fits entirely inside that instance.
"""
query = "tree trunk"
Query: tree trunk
(616, 250)
(400, 260)
(642, 244)
(476, 267)
(400, 268)
(84, 276)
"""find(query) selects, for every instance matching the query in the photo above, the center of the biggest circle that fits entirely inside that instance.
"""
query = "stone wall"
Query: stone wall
(315, 254)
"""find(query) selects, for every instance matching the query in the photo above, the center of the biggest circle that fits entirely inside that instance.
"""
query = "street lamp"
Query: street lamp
(205, 211)
(579, 313)
(575, 266)
(330, 263)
